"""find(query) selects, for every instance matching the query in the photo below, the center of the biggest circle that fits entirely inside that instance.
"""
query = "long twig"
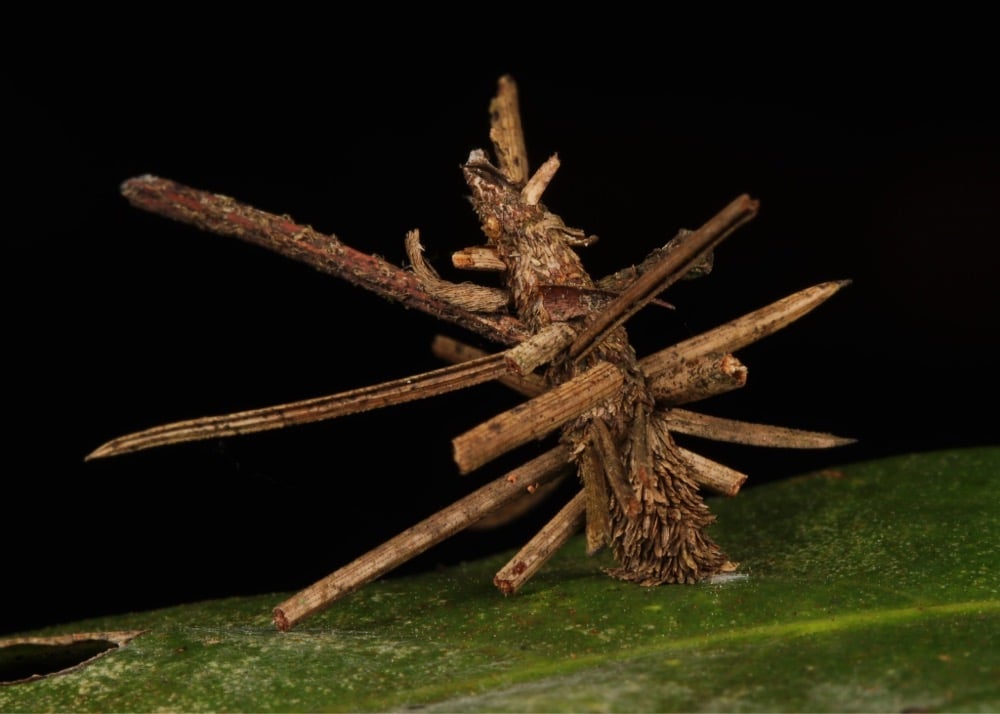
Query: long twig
(543, 546)
(743, 432)
(416, 540)
(536, 418)
(690, 251)
(226, 216)
(742, 331)
(398, 391)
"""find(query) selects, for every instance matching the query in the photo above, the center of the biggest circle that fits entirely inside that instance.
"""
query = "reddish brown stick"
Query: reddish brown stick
(220, 214)
(415, 540)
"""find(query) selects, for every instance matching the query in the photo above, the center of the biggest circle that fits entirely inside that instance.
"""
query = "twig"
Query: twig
(506, 132)
(454, 351)
(607, 452)
(480, 257)
(543, 546)
(226, 216)
(417, 539)
(744, 432)
(743, 330)
(398, 391)
(690, 251)
(698, 378)
(528, 500)
(596, 490)
(536, 418)
(713, 475)
(533, 190)
(518, 361)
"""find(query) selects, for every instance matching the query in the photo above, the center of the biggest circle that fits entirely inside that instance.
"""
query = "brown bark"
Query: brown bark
(226, 216)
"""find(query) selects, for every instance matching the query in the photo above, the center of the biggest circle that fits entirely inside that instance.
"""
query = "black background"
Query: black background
(117, 320)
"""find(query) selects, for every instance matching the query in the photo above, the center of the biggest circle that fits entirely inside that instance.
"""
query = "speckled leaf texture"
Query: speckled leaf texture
(869, 587)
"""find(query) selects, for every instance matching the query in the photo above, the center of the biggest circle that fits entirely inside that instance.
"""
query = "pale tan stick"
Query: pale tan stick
(536, 418)
(399, 391)
(533, 190)
(540, 349)
(483, 258)
(226, 216)
(698, 378)
(690, 251)
(449, 350)
(506, 132)
(640, 454)
(525, 356)
(743, 432)
(542, 547)
(743, 330)
(713, 475)
(419, 538)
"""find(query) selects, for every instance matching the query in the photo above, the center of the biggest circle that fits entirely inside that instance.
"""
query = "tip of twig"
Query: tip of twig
(280, 621)
(127, 184)
(102, 451)
(505, 586)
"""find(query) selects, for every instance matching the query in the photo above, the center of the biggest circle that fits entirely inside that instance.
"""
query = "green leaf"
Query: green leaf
(872, 587)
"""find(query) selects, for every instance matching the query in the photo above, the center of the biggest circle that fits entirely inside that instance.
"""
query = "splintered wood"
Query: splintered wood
(567, 351)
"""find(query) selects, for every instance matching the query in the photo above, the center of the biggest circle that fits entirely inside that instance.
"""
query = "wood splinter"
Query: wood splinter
(565, 347)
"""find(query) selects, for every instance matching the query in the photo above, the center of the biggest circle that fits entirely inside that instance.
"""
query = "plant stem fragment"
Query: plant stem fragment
(415, 540)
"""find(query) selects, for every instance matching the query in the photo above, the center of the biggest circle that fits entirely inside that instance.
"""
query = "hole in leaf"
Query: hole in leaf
(25, 659)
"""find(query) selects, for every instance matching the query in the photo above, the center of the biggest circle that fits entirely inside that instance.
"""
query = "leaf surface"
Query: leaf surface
(868, 587)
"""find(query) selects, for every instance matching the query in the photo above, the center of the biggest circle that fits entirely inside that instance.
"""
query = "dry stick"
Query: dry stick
(221, 214)
(691, 250)
(536, 418)
(483, 258)
(540, 349)
(453, 351)
(752, 434)
(713, 475)
(699, 378)
(506, 132)
(710, 474)
(533, 190)
(417, 539)
(518, 360)
(398, 391)
(742, 331)
(542, 547)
